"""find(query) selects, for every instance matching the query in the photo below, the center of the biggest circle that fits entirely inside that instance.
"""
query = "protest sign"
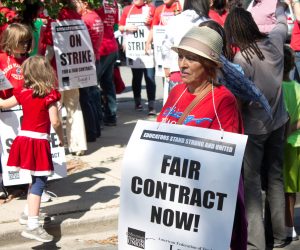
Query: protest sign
(4, 83)
(135, 43)
(179, 187)
(158, 37)
(74, 54)
(10, 121)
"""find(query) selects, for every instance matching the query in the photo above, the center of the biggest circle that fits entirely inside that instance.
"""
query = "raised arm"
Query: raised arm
(8, 103)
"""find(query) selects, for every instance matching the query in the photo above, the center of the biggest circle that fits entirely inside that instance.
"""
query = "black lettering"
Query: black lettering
(221, 200)
(53, 140)
(63, 60)
(134, 181)
(183, 196)
(206, 199)
(161, 190)
(168, 218)
(149, 187)
(173, 188)
(8, 143)
(194, 171)
(165, 163)
(156, 214)
(183, 220)
(75, 40)
(196, 197)
(175, 166)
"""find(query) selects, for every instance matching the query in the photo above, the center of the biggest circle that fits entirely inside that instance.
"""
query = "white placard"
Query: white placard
(158, 38)
(74, 54)
(4, 83)
(179, 187)
(136, 56)
(10, 123)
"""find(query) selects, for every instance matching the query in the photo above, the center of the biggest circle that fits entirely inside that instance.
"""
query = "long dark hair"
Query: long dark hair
(201, 7)
(242, 31)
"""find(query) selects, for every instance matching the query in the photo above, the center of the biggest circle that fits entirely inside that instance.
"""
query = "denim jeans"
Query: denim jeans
(263, 163)
(137, 75)
(295, 73)
(105, 78)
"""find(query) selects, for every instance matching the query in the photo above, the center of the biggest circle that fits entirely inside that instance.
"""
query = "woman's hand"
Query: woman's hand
(130, 28)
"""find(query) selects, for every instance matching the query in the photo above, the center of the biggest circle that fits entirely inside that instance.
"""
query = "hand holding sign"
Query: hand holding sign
(130, 28)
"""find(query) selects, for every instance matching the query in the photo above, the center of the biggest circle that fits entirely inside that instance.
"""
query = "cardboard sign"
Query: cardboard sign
(4, 83)
(136, 56)
(10, 123)
(74, 54)
(158, 37)
(179, 187)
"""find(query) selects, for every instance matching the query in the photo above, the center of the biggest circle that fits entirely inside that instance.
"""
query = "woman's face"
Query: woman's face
(192, 68)
(138, 2)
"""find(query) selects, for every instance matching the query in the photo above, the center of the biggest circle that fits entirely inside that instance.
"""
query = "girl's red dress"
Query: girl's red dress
(30, 153)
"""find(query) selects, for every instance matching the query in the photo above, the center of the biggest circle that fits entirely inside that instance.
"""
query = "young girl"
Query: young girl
(30, 150)
(291, 93)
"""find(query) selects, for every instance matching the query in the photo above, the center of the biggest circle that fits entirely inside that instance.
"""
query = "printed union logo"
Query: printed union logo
(136, 238)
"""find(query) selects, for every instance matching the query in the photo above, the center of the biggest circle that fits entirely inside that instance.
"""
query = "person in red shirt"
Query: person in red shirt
(90, 97)
(109, 53)
(141, 12)
(16, 42)
(76, 134)
(218, 11)
(201, 102)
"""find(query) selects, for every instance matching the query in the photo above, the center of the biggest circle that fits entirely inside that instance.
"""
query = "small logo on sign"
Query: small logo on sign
(136, 238)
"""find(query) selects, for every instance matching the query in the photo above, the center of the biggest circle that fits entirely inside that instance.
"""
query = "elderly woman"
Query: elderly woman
(213, 106)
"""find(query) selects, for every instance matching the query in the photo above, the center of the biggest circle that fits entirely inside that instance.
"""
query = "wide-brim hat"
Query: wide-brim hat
(202, 41)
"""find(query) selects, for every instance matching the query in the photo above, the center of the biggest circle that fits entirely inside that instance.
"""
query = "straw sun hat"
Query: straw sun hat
(202, 41)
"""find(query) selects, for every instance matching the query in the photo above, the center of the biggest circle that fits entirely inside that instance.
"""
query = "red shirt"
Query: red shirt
(220, 19)
(163, 13)
(12, 69)
(295, 39)
(109, 14)
(95, 27)
(134, 10)
(203, 114)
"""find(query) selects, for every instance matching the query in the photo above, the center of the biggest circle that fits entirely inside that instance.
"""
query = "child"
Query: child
(31, 149)
(291, 93)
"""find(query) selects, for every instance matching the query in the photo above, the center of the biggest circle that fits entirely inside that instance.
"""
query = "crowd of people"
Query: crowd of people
(227, 67)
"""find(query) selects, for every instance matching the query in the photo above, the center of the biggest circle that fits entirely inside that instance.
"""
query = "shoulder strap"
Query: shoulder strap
(196, 100)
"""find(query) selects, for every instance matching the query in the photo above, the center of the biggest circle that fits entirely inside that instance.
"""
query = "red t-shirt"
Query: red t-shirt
(203, 114)
(163, 13)
(295, 39)
(109, 15)
(135, 10)
(220, 19)
(95, 27)
(12, 69)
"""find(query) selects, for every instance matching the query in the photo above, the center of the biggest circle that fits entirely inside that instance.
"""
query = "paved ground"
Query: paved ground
(85, 211)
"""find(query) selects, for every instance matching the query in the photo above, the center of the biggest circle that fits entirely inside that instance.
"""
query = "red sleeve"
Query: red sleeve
(53, 97)
(122, 21)
(156, 18)
(17, 94)
(152, 11)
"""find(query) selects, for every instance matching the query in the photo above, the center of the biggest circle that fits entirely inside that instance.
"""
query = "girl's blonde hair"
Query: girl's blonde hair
(13, 35)
(38, 75)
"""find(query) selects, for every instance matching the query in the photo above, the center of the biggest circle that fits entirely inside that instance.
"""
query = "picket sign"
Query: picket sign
(135, 43)
(74, 54)
(179, 187)
(10, 126)
(4, 83)
(159, 32)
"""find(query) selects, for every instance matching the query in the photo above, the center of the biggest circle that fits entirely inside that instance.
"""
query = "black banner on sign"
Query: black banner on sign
(190, 141)
(68, 28)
